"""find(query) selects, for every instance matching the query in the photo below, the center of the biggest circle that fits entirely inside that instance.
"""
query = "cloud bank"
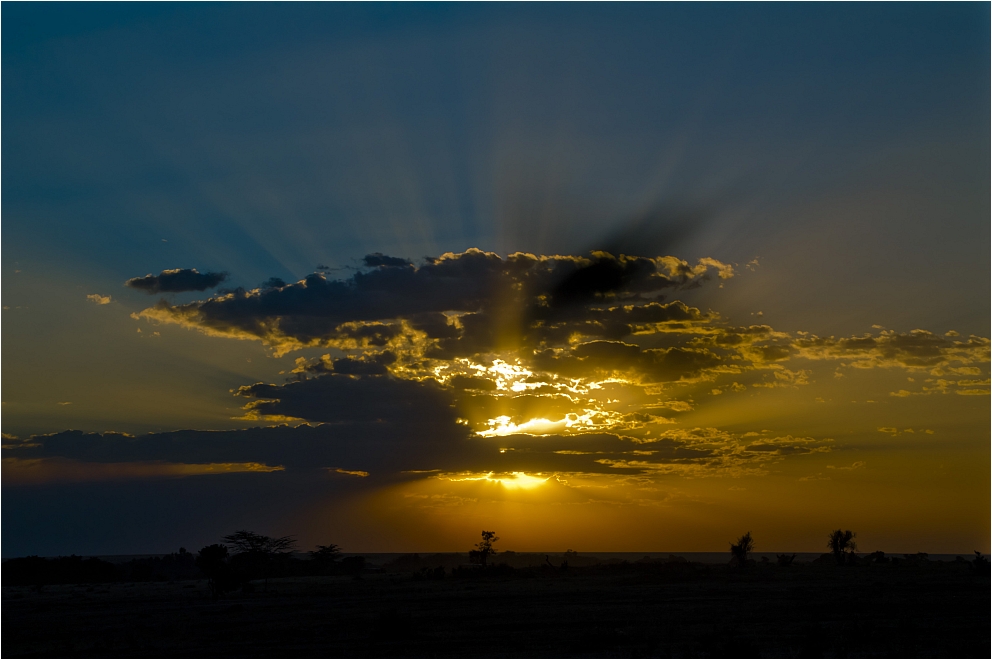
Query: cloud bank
(474, 364)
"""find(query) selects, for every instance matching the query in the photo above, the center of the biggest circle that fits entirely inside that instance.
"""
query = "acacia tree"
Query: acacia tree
(258, 550)
(740, 550)
(325, 557)
(484, 548)
(840, 543)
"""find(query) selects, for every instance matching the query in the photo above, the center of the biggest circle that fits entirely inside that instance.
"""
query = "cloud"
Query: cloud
(476, 364)
(917, 350)
(538, 345)
(378, 259)
(893, 431)
(367, 365)
(585, 317)
(408, 432)
(98, 299)
(176, 280)
(341, 398)
(475, 296)
(857, 465)
(410, 440)
(352, 473)
(20, 472)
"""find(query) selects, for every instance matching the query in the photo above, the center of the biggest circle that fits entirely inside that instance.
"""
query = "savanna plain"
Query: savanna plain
(520, 605)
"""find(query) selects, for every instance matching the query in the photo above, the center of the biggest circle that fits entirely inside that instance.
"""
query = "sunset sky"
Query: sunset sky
(608, 277)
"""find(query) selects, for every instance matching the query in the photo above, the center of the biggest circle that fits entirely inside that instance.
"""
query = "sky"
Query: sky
(607, 277)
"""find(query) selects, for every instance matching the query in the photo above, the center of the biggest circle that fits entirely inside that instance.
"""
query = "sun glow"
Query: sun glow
(503, 426)
(507, 376)
(512, 480)
(587, 421)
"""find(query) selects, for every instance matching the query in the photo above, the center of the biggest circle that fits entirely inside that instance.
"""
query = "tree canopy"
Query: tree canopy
(244, 541)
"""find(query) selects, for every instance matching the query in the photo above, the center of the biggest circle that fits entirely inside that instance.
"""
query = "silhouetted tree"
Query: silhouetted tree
(256, 551)
(740, 550)
(484, 548)
(841, 542)
(212, 562)
(325, 557)
(326, 552)
(244, 541)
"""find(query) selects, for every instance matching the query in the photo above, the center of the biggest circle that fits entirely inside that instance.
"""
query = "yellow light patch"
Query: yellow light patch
(512, 480)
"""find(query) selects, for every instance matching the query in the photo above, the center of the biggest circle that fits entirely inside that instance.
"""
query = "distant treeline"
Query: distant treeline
(245, 556)
(182, 565)
(231, 573)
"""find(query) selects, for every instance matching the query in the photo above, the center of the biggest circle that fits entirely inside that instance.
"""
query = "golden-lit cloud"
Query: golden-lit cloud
(98, 299)
(350, 473)
(918, 350)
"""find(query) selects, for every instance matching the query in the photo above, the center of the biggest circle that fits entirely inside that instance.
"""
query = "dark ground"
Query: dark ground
(659, 609)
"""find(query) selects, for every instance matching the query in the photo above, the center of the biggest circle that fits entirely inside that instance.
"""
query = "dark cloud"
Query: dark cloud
(605, 275)
(319, 311)
(176, 280)
(386, 447)
(378, 424)
(341, 398)
(377, 259)
(461, 382)
(412, 443)
(367, 365)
